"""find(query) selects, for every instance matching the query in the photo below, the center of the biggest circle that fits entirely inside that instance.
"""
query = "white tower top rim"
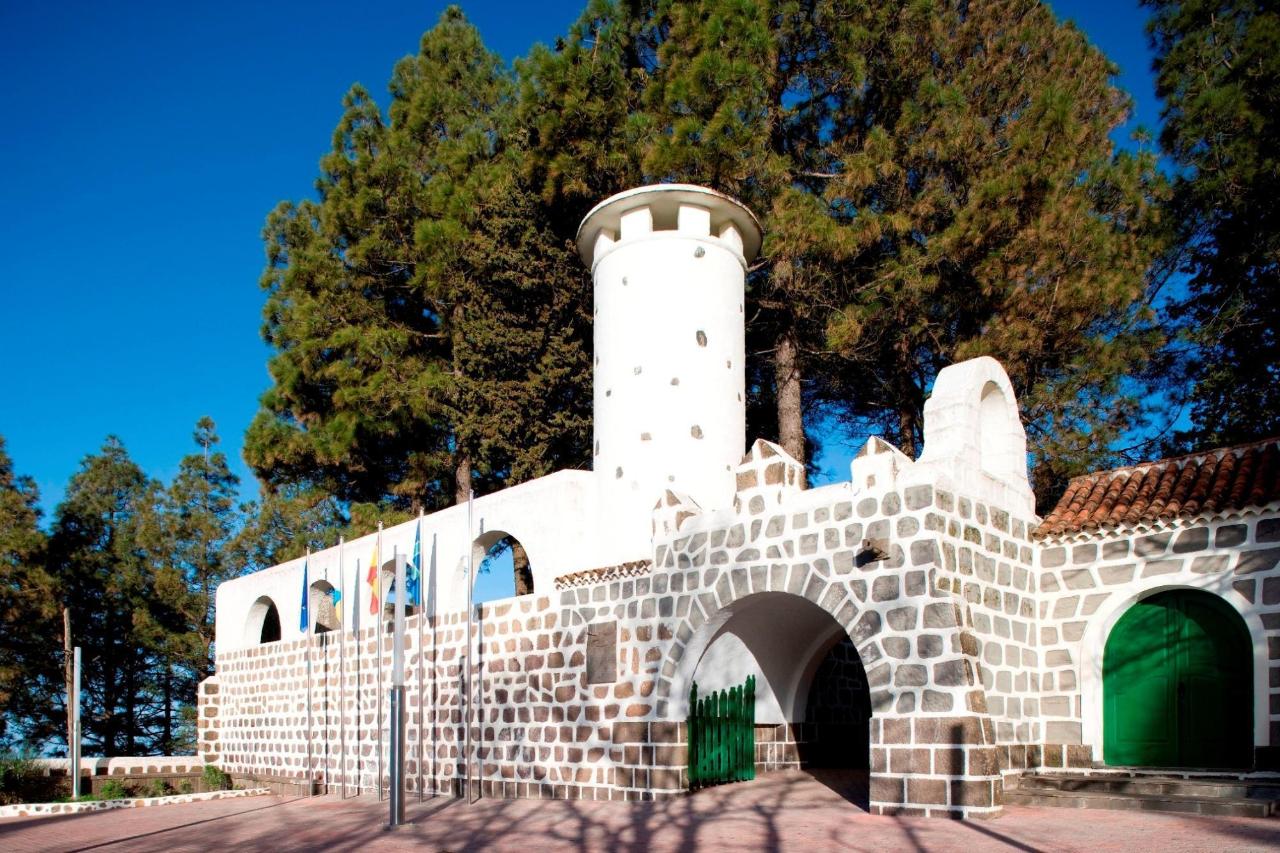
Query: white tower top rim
(665, 200)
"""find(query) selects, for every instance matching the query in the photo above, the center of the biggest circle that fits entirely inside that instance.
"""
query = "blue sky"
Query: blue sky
(146, 143)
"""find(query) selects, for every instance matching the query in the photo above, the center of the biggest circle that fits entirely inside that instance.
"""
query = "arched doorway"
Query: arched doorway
(1177, 684)
(838, 712)
(813, 703)
(263, 624)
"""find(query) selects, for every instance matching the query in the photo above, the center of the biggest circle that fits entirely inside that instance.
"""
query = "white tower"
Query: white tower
(668, 262)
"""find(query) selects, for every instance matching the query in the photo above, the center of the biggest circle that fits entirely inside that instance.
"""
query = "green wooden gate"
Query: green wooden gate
(722, 735)
(1177, 684)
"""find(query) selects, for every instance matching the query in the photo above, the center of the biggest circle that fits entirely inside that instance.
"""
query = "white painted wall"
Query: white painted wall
(554, 517)
(668, 263)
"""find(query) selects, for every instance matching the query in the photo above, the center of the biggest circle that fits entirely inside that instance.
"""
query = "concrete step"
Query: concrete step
(1211, 795)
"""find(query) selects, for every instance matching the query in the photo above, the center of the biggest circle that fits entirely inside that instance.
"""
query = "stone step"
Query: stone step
(1185, 786)
(1206, 794)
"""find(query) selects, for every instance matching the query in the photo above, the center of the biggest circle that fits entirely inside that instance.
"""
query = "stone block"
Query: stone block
(974, 793)
(1051, 558)
(1211, 564)
(909, 760)
(1161, 567)
(927, 791)
(1261, 560)
(1117, 574)
(1191, 539)
(1230, 535)
(1153, 545)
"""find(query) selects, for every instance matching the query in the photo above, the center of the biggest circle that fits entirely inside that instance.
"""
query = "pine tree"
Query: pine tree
(30, 671)
(192, 545)
(406, 324)
(1218, 71)
(935, 181)
(102, 557)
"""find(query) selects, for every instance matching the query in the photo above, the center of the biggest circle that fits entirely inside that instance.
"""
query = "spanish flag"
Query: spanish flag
(374, 579)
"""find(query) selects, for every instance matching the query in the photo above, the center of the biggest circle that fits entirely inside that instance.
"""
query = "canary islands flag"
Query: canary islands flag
(336, 594)
(374, 579)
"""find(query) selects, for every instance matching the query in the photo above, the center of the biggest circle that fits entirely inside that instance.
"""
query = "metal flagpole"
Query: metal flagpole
(377, 630)
(342, 670)
(355, 632)
(311, 785)
(422, 659)
(471, 573)
(74, 702)
(395, 724)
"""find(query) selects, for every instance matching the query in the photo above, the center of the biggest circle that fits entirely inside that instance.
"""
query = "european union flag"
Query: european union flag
(413, 572)
(304, 624)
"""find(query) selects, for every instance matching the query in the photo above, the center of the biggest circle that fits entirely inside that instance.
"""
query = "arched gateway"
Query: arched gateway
(1177, 684)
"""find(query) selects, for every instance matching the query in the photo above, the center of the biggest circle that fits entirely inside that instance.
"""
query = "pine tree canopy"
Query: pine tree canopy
(1218, 72)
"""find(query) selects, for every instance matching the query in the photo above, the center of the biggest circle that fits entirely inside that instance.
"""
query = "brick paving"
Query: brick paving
(780, 811)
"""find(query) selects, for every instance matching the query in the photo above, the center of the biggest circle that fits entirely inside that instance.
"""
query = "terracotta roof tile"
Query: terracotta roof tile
(1183, 487)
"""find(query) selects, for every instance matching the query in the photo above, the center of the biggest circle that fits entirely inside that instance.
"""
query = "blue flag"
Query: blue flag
(305, 622)
(413, 572)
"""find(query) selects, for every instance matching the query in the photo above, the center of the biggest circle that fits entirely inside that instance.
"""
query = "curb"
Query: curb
(46, 809)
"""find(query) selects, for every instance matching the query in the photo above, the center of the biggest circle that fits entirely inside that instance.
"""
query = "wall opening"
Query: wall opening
(263, 624)
(324, 616)
(1177, 684)
(837, 715)
(502, 567)
(996, 446)
(813, 704)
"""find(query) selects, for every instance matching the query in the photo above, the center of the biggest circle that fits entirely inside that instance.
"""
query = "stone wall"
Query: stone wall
(893, 569)
(1089, 579)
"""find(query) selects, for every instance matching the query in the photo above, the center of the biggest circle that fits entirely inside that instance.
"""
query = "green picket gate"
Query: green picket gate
(722, 735)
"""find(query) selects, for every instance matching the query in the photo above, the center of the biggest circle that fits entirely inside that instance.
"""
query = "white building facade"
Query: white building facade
(918, 621)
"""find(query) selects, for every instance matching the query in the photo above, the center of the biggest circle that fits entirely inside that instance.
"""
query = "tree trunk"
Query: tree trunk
(790, 410)
(907, 432)
(462, 478)
(524, 575)
(68, 672)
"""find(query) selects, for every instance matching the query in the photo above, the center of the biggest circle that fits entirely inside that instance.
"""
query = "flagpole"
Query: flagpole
(377, 629)
(342, 671)
(466, 718)
(422, 658)
(306, 592)
(355, 632)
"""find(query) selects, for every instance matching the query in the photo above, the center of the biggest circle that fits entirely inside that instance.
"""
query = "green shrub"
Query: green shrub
(24, 781)
(184, 787)
(113, 789)
(159, 788)
(215, 779)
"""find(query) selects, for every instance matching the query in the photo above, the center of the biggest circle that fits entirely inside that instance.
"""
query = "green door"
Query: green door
(1177, 689)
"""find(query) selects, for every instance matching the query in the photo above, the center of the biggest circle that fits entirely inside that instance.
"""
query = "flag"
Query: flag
(304, 623)
(413, 572)
(355, 604)
(374, 579)
(337, 605)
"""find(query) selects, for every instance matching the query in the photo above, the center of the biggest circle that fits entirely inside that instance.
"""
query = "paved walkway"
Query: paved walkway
(779, 811)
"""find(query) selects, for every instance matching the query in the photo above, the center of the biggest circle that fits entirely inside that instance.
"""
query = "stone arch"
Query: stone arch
(263, 623)
(324, 617)
(814, 627)
(1093, 646)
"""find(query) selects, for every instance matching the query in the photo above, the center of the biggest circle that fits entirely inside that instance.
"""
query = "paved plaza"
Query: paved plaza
(780, 811)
